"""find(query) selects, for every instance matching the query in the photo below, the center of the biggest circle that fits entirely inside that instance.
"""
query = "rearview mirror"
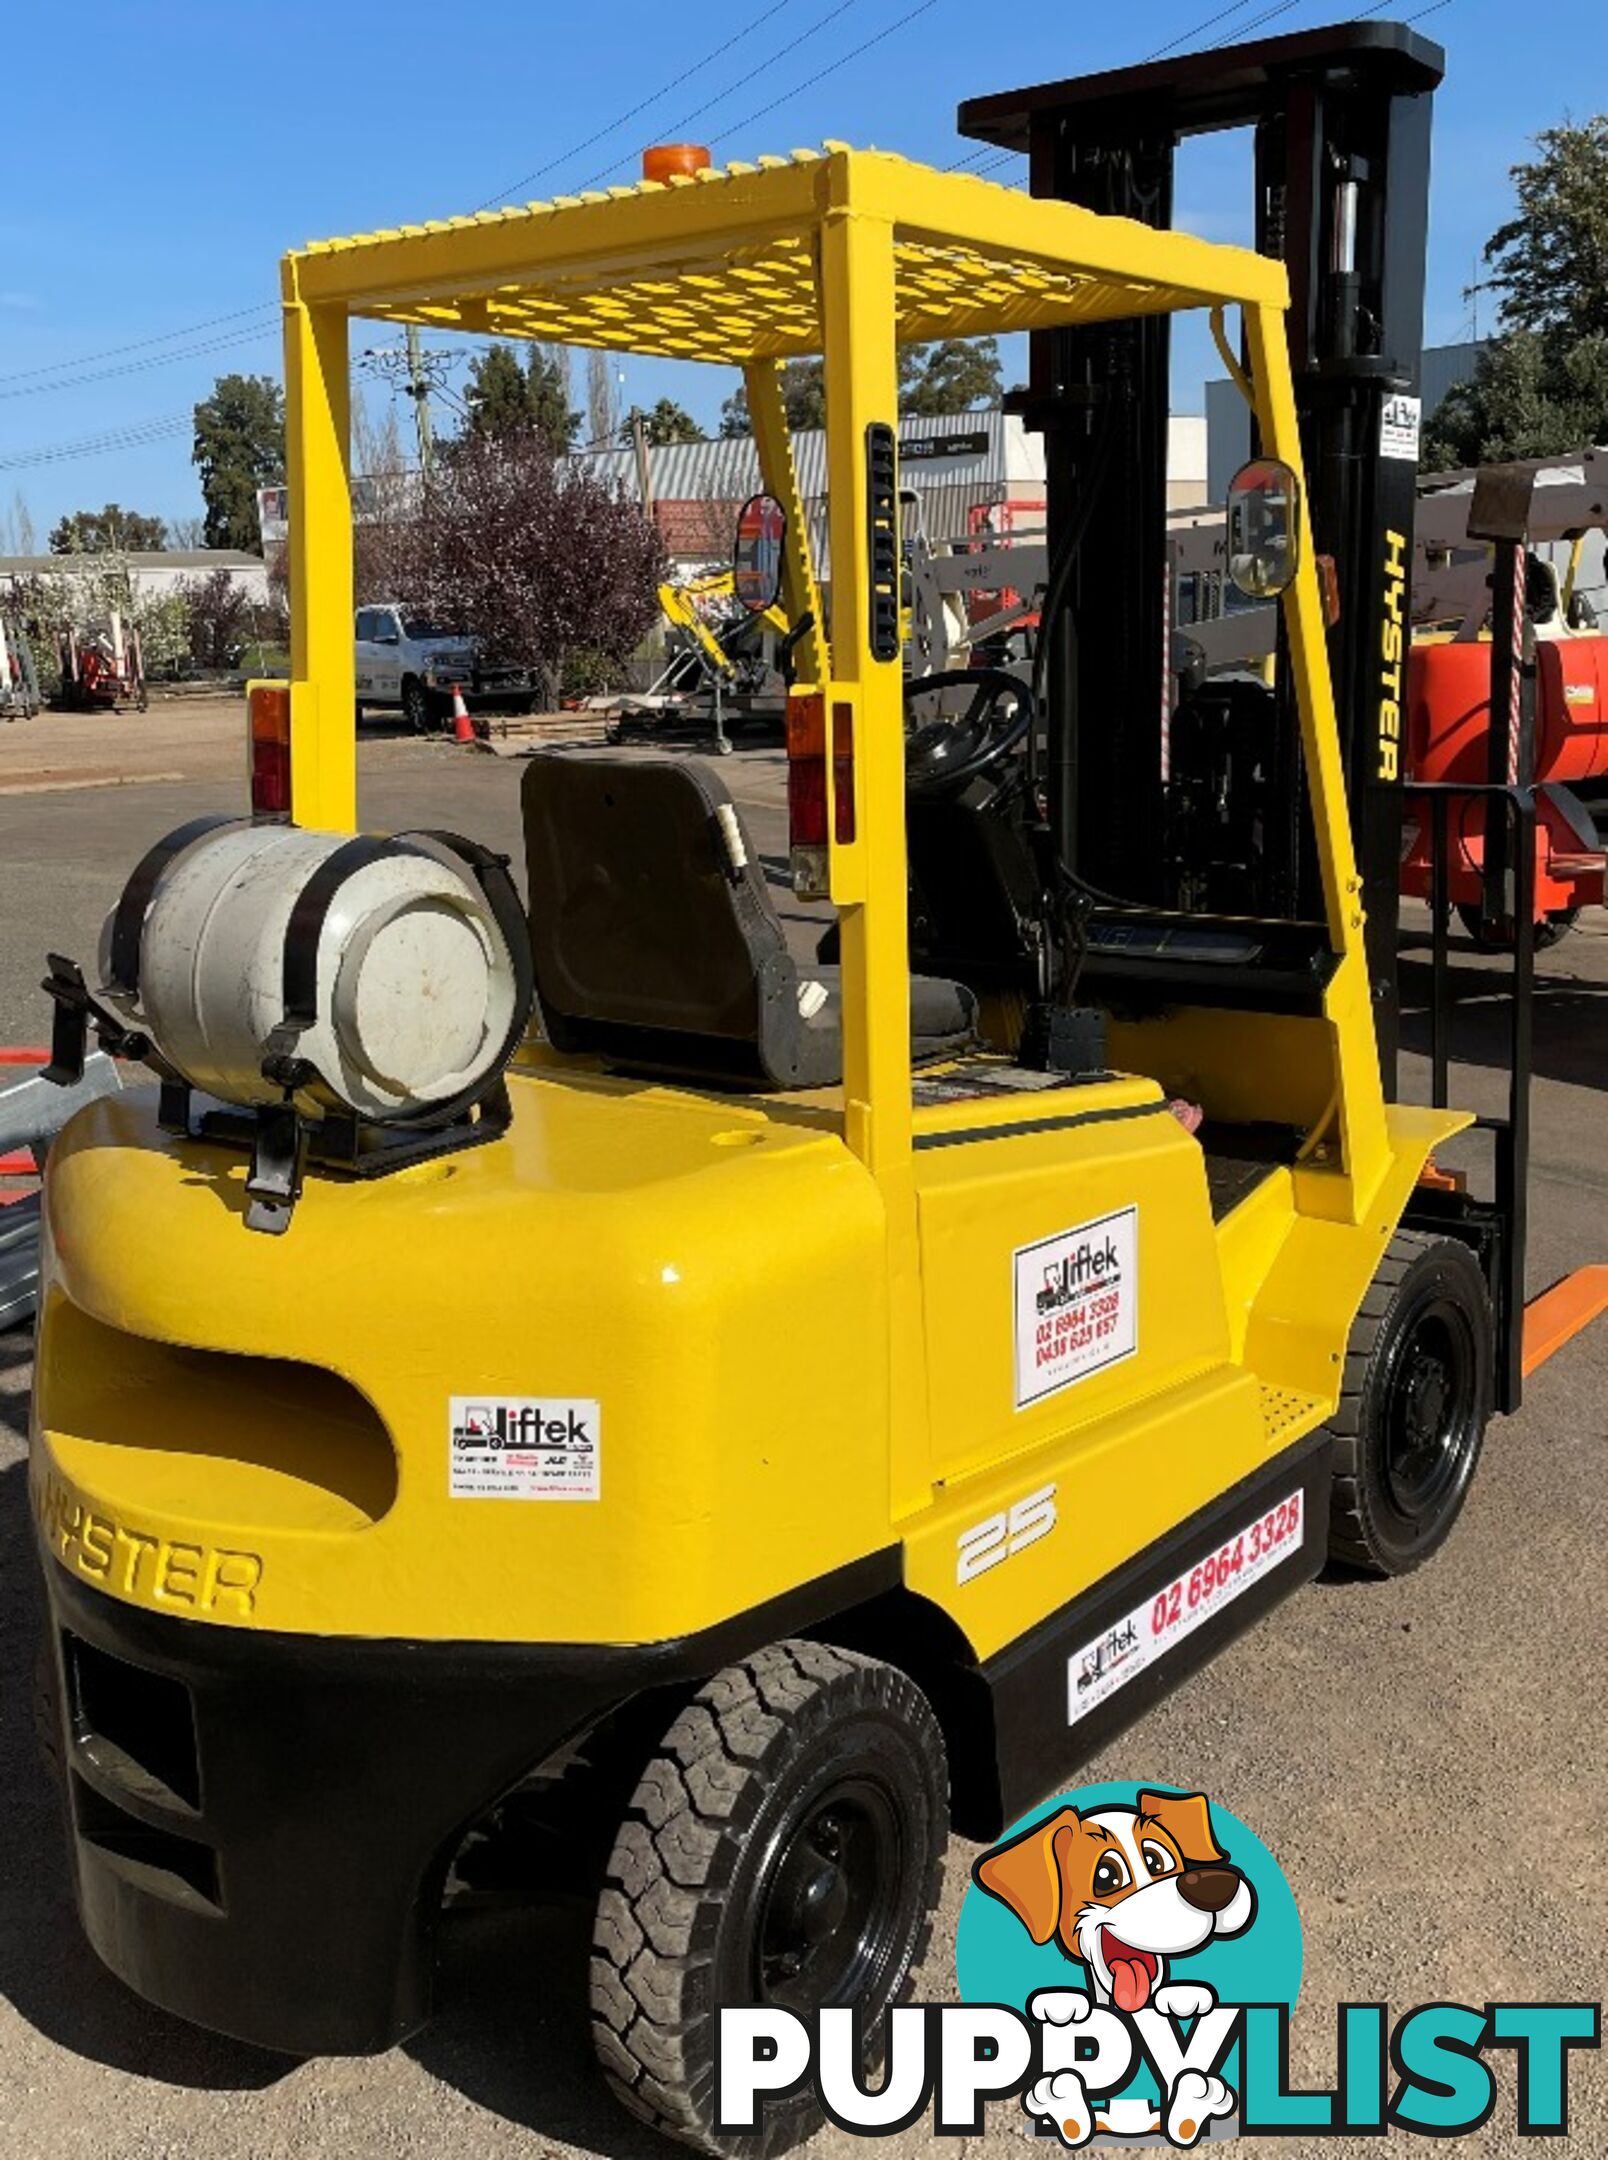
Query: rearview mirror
(756, 556)
(1263, 528)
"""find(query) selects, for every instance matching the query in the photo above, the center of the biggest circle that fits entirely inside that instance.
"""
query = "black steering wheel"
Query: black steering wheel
(950, 749)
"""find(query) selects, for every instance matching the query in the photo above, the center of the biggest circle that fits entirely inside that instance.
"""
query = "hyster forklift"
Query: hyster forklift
(887, 1386)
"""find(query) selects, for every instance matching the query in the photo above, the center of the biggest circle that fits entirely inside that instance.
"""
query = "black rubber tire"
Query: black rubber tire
(1550, 930)
(46, 1723)
(1429, 1295)
(416, 707)
(699, 1874)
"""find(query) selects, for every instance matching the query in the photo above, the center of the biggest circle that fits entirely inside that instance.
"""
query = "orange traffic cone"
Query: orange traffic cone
(463, 728)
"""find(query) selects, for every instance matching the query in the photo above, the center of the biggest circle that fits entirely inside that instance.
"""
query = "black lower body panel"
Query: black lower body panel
(1108, 1639)
(262, 1824)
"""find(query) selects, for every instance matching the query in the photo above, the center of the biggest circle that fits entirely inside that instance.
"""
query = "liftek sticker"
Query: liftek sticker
(1140, 1638)
(1077, 1304)
(1400, 424)
(525, 1447)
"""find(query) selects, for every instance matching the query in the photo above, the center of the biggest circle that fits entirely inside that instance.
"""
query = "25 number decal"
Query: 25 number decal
(1002, 1536)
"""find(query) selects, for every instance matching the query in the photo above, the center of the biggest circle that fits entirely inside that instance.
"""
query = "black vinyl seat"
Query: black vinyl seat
(656, 946)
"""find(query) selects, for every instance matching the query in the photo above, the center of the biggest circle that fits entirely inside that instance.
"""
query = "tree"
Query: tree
(187, 532)
(953, 376)
(17, 527)
(602, 407)
(220, 618)
(1550, 261)
(112, 531)
(949, 377)
(803, 399)
(545, 566)
(1533, 396)
(239, 447)
(1541, 386)
(667, 423)
(503, 396)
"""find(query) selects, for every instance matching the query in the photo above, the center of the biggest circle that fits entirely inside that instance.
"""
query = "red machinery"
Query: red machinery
(102, 668)
(1447, 739)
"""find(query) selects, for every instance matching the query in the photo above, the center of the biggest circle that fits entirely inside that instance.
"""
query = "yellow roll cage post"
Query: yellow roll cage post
(847, 254)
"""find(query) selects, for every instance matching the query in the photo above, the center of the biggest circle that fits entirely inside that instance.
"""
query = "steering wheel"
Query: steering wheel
(949, 749)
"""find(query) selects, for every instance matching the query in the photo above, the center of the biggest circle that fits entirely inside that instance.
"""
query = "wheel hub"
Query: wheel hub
(825, 1912)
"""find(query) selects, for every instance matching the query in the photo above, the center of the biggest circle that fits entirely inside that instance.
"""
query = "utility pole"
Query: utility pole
(639, 439)
(420, 391)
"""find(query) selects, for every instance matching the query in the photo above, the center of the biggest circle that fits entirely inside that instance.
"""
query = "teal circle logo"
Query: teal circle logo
(1131, 1898)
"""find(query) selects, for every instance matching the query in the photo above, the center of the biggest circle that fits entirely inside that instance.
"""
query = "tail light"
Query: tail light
(808, 832)
(268, 748)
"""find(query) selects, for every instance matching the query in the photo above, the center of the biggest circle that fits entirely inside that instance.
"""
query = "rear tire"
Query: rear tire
(785, 1845)
(1498, 937)
(1414, 1405)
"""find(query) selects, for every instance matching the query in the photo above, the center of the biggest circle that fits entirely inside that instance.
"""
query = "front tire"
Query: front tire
(784, 1846)
(1414, 1405)
(416, 705)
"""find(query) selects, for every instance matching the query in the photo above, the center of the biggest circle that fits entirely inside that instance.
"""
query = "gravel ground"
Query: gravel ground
(1427, 1758)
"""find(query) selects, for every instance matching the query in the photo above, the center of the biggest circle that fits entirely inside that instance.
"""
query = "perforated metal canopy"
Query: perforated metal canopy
(722, 266)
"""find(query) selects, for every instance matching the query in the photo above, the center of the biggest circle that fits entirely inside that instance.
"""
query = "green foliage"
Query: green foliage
(953, 376)
(110, 531)
(1542, 387)
(1533, 395)
(668, 422)
(239, 447)
(1550, 260)
(505, 398)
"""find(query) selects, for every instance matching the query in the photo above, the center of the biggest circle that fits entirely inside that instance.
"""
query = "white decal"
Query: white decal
(1094, 1673)
(524, 1447)
(1077, 1304)
(986, 1544)
(1399, 419)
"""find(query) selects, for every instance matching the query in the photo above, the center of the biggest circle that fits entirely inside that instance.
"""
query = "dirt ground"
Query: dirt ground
(1428, 1759)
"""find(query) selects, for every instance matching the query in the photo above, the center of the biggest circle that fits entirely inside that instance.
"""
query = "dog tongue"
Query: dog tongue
(1130, 1984)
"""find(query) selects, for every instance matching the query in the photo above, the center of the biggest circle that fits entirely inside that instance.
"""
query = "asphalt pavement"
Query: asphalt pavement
(1427, 1758)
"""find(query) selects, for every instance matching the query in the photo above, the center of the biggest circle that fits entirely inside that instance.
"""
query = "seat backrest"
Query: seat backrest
(655, 943)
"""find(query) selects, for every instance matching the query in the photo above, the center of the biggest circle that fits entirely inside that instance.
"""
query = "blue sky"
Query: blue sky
(162, 153)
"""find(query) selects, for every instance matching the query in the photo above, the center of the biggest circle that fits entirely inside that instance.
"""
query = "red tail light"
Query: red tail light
(806, 786)
(268, 748)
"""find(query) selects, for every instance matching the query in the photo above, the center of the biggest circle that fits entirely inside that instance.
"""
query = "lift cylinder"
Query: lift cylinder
(414, 987)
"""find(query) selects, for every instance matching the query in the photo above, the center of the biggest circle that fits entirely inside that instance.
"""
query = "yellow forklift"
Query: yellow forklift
(868, 1392)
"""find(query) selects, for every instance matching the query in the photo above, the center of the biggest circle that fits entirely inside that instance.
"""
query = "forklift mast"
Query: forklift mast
(1342, 128)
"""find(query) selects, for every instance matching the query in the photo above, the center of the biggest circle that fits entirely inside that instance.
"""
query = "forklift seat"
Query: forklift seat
(656, 946)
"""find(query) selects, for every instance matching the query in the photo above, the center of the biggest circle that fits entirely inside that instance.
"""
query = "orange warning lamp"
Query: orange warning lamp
(667, 161)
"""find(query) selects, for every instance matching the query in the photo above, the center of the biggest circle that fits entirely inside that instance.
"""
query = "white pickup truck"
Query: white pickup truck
(407, 663)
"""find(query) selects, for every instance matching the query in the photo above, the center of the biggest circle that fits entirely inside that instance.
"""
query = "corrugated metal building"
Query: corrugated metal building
(960, 465)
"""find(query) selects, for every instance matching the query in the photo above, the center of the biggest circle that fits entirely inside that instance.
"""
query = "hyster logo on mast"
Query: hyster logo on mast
(1392, 645)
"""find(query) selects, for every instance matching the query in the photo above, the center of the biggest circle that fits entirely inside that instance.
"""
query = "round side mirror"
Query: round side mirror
(756, 555)
(1263, 528)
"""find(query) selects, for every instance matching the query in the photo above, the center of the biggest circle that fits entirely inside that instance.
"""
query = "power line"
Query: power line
(1239, 30)
(614, 126)
(133, 437)
(139, 367)
(731, 89)
(810, 81)
(113, 352)
(1184, 37)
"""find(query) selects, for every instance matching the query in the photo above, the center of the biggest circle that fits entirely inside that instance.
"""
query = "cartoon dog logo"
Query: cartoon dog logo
(1125, 1891)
